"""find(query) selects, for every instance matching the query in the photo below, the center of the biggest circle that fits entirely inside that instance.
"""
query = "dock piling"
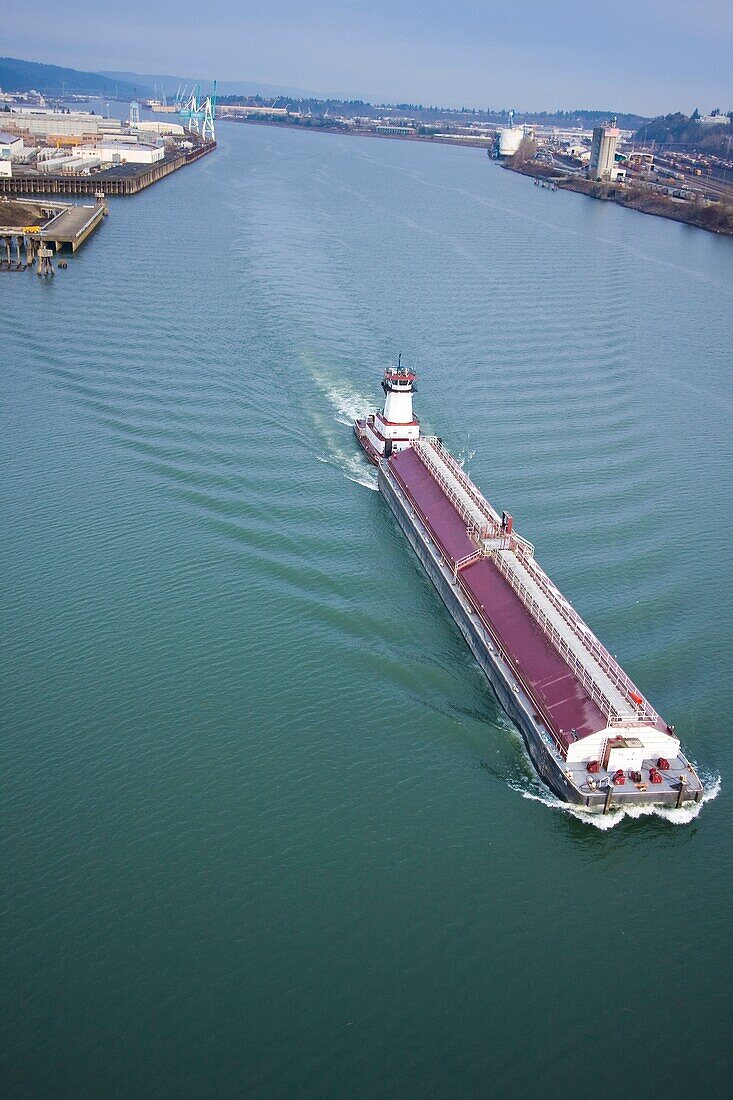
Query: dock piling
(45, 267)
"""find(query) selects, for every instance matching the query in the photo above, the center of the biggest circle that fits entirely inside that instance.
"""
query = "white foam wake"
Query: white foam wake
(465, 455)
(614, 817)
(346, 405)
(354, 468)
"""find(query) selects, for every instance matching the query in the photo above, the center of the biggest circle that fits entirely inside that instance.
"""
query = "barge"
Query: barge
(593, 738)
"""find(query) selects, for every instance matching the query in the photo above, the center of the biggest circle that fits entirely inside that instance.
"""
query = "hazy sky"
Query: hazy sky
(651, 56)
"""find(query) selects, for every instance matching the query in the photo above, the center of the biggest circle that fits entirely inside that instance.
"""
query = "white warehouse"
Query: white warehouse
(119, 152)
(171, 128)
(11, 145)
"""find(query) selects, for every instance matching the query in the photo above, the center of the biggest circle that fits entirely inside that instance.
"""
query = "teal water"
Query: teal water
(266, 831)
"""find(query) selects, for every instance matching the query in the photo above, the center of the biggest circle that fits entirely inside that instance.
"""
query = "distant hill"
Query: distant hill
(426, 115)
(171, 84)
(581, 117)
(21, 76)
(679, 129)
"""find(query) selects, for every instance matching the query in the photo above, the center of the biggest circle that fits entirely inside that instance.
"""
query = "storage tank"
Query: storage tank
(509, 140)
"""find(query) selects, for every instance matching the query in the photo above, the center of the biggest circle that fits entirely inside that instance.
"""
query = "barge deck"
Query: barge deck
(578, 712)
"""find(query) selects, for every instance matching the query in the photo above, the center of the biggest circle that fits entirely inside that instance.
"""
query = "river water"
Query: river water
(266, 830)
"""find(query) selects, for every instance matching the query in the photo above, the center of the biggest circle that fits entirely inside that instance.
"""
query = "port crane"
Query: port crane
(190, 112)
(208, 131)
(197, 114)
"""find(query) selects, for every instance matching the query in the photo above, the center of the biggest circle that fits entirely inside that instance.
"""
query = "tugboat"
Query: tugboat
(592, 736)
(384, 433)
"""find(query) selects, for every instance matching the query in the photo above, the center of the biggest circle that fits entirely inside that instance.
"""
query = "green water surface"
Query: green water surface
(266, 831)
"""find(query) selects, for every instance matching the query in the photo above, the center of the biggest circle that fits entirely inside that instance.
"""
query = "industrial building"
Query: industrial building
(123, 152)
(403, 131)
(62, 124)
(714, 120)
(61, 162)
(171, 129)
(577, 150)
(83, 158)
(80, 153)
(242, 111)
(602, 164)
(11, 145)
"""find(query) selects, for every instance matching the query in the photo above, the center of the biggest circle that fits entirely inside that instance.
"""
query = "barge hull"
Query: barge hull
(510, 693)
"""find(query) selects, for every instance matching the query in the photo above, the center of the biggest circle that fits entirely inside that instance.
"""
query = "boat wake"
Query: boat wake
(464, 455)
(614, 817)
(353, 468)
(346, 405)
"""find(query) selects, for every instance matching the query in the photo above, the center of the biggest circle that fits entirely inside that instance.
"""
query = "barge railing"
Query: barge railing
(480, 612)
(445, 470)
(450, 476)
(638, 713)
(600, 675)
(481, 519)
(588, 681)
(598, 651)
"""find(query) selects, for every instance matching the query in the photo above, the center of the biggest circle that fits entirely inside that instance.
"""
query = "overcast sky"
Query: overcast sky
(650, 56)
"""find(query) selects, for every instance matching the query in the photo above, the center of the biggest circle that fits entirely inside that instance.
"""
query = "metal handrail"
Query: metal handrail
(581, 630)
(513, 540)
(462, 478)
(480, 531)
(464, 562)
(516, 672)
(470, 559)
(595, 691)
(588, 639)
(524, 552)
(476, 495)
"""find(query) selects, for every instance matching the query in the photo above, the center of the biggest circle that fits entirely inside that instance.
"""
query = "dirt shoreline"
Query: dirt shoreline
(715, 218)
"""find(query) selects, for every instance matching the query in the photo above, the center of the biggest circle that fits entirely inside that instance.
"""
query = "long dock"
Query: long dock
(125, 179)
(73, 224)
(31, 231)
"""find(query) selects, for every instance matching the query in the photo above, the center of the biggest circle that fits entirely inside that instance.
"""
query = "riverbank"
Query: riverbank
(465, 140)
(714, 217)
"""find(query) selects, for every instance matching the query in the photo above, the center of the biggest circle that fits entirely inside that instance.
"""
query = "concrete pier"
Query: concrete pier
(73, 225)
(33, 227)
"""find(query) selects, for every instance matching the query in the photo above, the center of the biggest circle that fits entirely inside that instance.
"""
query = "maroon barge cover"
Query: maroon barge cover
(564, 703)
